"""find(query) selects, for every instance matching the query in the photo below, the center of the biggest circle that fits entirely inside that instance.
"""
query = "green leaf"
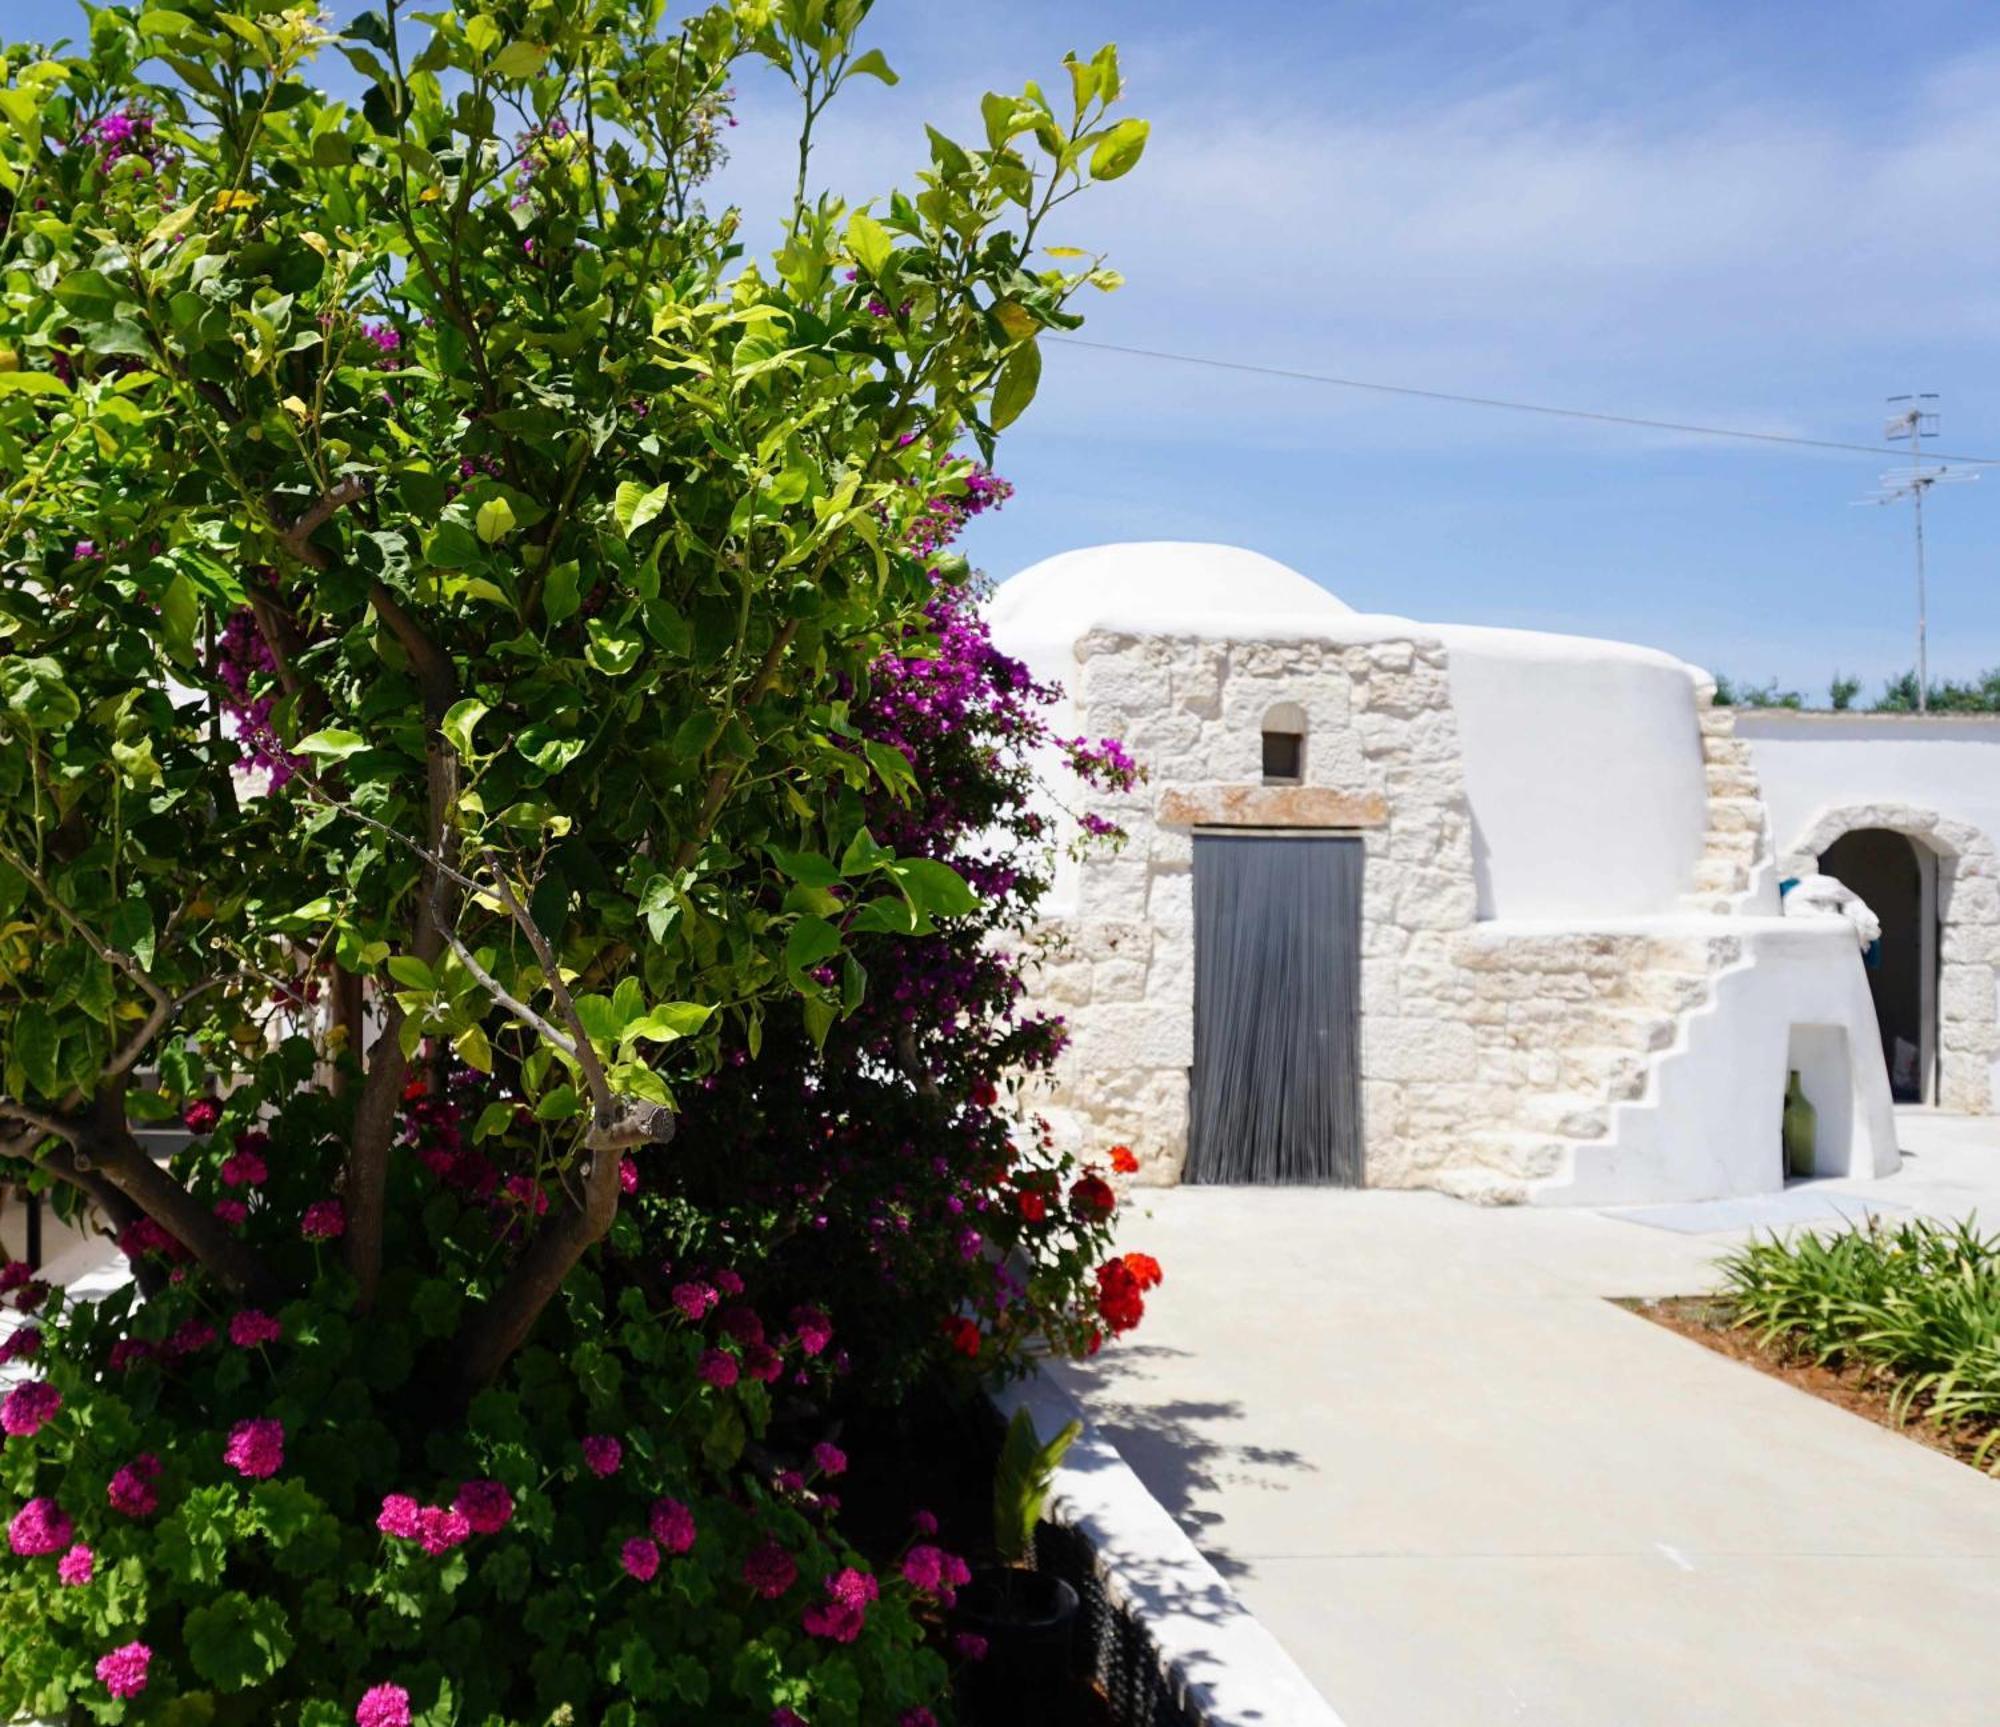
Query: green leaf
(809, 869)
(411, 972)
(560, 1105)
(933, 887)
(495, 520)
(635, 506)
(473, 1049)
(892, 767)
(180, 612)
(1020, 377)
(872, 65)
(1119, 150)
(35, 690)
(667, 1022)
(332, 744)
(235, 1642)
(869, 242)
(519, 60)
(91, 294)
(458, 723)
(811, 941)
(32, 384)
(609, 651)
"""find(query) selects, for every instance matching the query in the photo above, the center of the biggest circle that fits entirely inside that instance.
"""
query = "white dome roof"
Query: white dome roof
(1159, 586)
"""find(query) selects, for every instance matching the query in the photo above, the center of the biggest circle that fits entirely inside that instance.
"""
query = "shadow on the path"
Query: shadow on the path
(1186, 1451)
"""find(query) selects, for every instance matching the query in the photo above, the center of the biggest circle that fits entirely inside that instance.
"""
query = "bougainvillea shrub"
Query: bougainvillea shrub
(464, 640)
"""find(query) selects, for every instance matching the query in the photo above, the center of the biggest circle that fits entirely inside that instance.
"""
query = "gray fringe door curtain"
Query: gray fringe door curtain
(1277, 1011)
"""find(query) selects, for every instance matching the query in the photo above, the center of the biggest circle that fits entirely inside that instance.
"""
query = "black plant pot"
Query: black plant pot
(1029, 1622)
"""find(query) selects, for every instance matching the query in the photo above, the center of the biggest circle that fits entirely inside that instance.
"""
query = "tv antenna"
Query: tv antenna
(1916, 417)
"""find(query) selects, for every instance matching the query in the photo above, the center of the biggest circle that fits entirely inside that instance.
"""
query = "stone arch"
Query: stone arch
(1968, 892)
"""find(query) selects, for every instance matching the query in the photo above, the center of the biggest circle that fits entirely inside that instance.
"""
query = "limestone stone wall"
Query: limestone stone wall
(1487, 1056)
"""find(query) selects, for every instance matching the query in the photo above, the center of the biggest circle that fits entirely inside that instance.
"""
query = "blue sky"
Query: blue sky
(1768, 216)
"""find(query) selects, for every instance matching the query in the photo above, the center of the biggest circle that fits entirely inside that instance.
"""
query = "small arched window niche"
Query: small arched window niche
(1285, 745)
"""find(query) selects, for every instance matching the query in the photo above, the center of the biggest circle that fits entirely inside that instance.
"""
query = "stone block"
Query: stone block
(1114, 888)
(1269, 807)
(1418, 1051)
(1125, 1035)
(1118, 979)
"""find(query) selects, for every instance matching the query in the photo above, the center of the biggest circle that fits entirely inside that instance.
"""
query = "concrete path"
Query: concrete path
(1463, 1488)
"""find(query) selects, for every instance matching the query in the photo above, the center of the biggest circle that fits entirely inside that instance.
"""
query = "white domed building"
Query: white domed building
(1482, 910)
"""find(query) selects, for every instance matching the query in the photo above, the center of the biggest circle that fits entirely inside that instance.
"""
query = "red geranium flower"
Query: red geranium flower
(1120, 1302)
(1122, 1161)
(1145, 1269)
(1092, 1199)
(1031, 1205)
(964, 1335)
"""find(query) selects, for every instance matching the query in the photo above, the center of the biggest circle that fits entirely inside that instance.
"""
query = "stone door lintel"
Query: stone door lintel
(1269, 807)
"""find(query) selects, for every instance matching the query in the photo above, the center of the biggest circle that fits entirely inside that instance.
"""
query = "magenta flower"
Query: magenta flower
(244, 1169)
(829, 1459)
(486, 1505)
(440, 1530)
(256, 1448)
(694, 1299)
(201, 1115)
(840, 1617)
(76, 1567)
(190, 1337)
(28, 1408)
(769, 1570)
(252, 1327)
(41, 1526)
(718, 1367)
(640, 1558)
(14, 1274)
(123, 1671)
(814, 1329)
(383, 1706)
(398, 1517)
(325, 1220)
(784, 1716)
(917, 1717)
(131, 1491)
(933, 1571)
(628, 1176)
(232, 1212)
(969, 1646)
(602, 1454)
(672, 1524)
(19, 1344)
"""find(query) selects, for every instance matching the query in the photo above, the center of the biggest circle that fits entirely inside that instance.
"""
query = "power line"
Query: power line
(1495, 401)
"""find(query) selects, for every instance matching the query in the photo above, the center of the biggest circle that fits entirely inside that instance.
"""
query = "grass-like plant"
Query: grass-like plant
(1919, 1301)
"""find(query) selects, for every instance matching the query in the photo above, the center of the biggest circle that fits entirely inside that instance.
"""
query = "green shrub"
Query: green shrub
(1919, 1300)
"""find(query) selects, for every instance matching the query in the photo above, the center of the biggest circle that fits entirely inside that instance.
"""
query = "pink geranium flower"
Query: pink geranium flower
(256, 1448)
(840, 1617)
(602, 1454)
(440, 1530)
(486, 1506)
(252, 1327)
(123, 1671)
(131, 1491)
(769, 1570)
(41, 1526)
(76, 1567)
(640, 1558)
(28, 1408)
(718, 1367)
(325, 1220)
(829, 1459)
(383, 1706)
(398, 1517)
(672, 1524)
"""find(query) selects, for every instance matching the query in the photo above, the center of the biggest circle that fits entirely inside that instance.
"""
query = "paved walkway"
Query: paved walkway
(1465, 1489)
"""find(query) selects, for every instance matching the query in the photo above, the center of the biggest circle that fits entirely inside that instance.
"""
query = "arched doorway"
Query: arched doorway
(1960, 1067)
(1898, 879)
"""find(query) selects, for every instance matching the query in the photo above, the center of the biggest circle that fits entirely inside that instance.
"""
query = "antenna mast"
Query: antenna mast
(1915, 417)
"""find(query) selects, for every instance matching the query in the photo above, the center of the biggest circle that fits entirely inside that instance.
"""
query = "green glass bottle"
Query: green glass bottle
(1801, 1129)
